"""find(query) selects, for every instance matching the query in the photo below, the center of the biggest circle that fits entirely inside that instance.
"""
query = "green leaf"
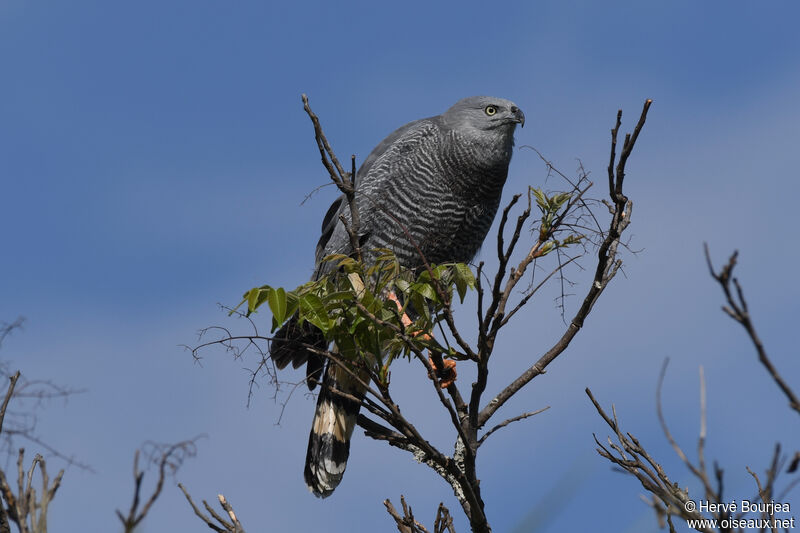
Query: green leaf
(572, 239)
(256, 297)
(375, 305)
(346, 346)
(313, 310)
(558, 200)
(292, 303)
(461, 287)
(541, 199)
(367, 297)
(466, 272)
(548, 247)
(252, 297)
(388, 314)
(420, 305)
(402, 284)
(424, 277)
(338, 296)
(425, 290)
(355, 324)
(464, 279)
(440, 270)
(385, 254)
(277, 304)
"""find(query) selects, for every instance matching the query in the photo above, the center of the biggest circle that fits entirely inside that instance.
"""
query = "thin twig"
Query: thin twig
(346, 182)
(169, 458)
(234, 526)
(607, 267)
(504, 423)
(737, 309)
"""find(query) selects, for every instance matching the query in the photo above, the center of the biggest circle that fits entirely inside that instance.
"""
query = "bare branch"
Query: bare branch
(406, 523)
(222, 525)
(7, 398)
(6, 328)
(25, 508)
(9, 497)
(533, 291)
(504, 423)
(698, 471)
(607, 267)
(737, 309)
(168, 459)
(765, 494)
(329, 159)
(346, 182)
(29, 397)
(632, 458)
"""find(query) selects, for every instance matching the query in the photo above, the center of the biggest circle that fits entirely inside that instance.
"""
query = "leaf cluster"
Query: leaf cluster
(553, 211)
(352, 308)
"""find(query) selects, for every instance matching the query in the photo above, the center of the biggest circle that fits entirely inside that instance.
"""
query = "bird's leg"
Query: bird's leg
(404, 318)
(446, 376)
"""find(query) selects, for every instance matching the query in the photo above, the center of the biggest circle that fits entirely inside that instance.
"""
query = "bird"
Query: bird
(428, 192)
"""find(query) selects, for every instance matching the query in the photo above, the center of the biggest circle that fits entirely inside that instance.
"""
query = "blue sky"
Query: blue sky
(153, 158)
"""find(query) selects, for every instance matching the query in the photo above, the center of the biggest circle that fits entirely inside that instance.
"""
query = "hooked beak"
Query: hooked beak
(519, 116)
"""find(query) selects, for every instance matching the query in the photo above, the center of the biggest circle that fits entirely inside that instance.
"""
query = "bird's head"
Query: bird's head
(485, 113)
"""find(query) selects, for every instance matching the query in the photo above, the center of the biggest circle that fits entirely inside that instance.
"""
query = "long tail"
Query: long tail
(290, 344)
(334, 421)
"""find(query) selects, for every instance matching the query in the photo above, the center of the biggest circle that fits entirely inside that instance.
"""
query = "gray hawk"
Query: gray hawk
(437, 179)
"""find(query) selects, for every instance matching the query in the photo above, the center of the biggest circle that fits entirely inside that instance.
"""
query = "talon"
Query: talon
(447, 376)
(405, 320)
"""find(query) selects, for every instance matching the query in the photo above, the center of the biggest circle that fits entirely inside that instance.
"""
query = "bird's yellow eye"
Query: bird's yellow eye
(490, 110)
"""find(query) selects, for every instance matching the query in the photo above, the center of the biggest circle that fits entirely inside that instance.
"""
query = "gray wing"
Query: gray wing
(388, 142)
(334, 238)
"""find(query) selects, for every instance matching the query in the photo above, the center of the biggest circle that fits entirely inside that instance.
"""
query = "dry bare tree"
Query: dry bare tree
(712, 510)
(167, 458)
(25, 494)
(216, 521)
(30, 396)
(23, 504)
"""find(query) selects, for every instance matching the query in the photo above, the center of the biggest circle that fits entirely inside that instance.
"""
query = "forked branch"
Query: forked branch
(346, 182)
(218, 524)
(167, 458)
(27, 508)
(406, 523)
(607, 267)
(667, 498)
(737, 309)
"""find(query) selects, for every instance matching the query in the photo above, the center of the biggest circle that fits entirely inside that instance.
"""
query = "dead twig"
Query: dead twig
(232, 525)
(168, 459)
(504, 423)
(607, 267)
(629, 455)
(346, 182)
(27, 508)
(737, 309)
(406, 523)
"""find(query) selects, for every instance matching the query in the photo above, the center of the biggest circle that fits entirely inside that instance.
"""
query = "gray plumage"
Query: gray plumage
(438, 180)
(441, 178)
